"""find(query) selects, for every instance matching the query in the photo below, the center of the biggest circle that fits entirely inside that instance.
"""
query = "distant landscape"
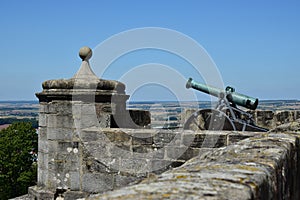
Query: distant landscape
(16, 111)
(161, 111)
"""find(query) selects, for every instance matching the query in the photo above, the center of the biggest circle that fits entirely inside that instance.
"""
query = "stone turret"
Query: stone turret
(107, 96)
(67, 106)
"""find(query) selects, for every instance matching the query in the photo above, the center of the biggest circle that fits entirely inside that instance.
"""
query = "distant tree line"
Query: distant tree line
(12, 120)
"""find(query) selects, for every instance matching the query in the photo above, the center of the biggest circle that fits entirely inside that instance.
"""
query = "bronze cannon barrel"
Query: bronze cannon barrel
(230, 94)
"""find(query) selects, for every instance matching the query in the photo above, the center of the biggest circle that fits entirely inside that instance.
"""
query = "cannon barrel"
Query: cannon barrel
(230, 94)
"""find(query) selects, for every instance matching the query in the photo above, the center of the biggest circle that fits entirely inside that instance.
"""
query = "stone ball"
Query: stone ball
(85, 53)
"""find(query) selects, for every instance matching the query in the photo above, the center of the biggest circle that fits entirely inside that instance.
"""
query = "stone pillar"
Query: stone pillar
(67, 107)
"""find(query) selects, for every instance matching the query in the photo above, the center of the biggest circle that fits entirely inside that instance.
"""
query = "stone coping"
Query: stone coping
(74, 83)
(261, 167)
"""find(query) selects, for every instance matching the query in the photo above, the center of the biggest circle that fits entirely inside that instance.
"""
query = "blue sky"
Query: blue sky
(255, 44)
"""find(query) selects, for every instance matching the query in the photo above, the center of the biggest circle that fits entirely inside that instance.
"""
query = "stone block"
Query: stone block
(97, 182)
(71, 195)
(135, 165)
(189, 153)
(43, 120)
(174, 153)
(160, 165)
(142, 149)
(149, 153)
(43, 108)
(43, 146)
(142, 140)
(36, 193)
(158, 153)
(235, 137)
(42, 177)
(118, 136)
(43, 159)
(51, 147)
(74, 180)
(60, 107)
(211, 139)
(60, 121)
(103, 165)
(164, 137)
(188, 139)
(65, 147)
(120, 151)
(99, 149)
(58, 133)
(42, 133)
(88, 109)
(87, 120)
(91, 135)
(121, 180)
(51, 180)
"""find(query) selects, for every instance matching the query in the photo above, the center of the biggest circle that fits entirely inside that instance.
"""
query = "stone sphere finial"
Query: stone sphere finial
(85, 53)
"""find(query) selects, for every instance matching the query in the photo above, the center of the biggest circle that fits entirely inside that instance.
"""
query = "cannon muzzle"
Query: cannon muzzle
(229, 93)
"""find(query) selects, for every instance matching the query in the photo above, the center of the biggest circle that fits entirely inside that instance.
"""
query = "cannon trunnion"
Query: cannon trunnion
(226, 115)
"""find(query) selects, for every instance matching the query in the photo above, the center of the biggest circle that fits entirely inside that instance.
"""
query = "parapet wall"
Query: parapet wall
(264, 118)
(113, 158)
(104, 159)
(265, 166)
(271, 119)
(75, 164)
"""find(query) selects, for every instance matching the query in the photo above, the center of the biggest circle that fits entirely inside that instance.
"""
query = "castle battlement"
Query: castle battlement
(92, 147)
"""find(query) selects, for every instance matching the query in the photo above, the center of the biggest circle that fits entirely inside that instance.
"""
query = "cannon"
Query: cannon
(226, 115)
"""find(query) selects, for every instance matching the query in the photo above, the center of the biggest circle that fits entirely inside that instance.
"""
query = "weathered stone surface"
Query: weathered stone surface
(97, 182)
(255, 168)
(71, 195)
(39, 193)
(234, 137)
(264, 118)
(293, 126)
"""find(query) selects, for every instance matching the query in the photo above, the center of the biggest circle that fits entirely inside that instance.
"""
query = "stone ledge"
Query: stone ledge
(262, 167)
(73, 83)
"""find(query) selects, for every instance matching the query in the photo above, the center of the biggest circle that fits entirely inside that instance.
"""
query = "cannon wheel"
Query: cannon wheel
(209, 119)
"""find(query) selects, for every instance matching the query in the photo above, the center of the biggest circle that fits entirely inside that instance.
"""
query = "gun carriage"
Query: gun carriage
(226, 115)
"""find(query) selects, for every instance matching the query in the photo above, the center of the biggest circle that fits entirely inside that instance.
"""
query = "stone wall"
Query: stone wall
(265, 166)
(264, 118)
(113, 158)
(106, 159)
(175, 164)
(79, 158)
(272, 119)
